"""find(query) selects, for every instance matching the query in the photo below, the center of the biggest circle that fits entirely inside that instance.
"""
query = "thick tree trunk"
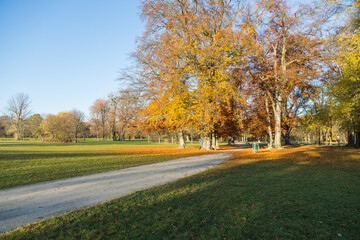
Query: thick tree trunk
(268, 119)
(327, 137)
(214, 141)
(114, 136)
(206, 145)
(319, 138)
(277, 115)
(182, 143)
(287, 138)
(351, 142)
(16, 136)
(357, 139)
(331, 136)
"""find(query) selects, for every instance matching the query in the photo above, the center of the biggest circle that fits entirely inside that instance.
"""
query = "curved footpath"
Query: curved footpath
(27, 204)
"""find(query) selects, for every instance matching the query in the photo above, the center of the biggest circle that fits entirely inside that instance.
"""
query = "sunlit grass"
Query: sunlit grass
(26, 162)
(296, 193)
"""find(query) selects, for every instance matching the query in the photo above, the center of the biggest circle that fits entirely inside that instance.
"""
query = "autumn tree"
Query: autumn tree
(34, 125)
(187, 54)
(19, 110)
(77, 123)
(113, 100)
(99, 113)
(64, 126)
(346, 87)
(284, 49)
(129, 105)
(58, 127)
(4, 125)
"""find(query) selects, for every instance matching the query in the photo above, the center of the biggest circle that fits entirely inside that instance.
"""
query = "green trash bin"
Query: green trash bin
(255, 147)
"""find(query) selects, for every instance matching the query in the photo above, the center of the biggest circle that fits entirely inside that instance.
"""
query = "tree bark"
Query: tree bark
(206, 143)
(214, 141)
(277, 115)
(268, 119)
(331, 136)
(351, 142)
(357, 139)
(182, 143)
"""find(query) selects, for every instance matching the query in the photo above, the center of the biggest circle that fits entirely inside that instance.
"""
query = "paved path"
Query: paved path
(23, 205)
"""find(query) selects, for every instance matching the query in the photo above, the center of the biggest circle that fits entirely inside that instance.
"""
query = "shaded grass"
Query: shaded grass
(296, 193)
(28, 162)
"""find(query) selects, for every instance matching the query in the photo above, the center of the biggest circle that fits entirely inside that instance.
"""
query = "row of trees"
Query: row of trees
(115, 117)
(64, 127)
(225, 68)
(221, 68)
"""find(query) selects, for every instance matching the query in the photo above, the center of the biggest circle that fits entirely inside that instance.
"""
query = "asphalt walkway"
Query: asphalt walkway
(31, 203)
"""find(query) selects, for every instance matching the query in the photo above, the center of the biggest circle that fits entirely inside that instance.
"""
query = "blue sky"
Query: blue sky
(65, 54)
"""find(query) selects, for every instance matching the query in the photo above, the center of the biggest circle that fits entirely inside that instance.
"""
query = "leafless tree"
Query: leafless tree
(19, 110)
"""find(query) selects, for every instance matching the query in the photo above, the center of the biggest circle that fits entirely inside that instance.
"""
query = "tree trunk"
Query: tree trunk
(319, 138)
(357, 139)
(268, 119)
(214, 141)
(114, 136)
(351, 142)
(287, 138)
(217, 143)
(327, 137)
(182, 143)
(206, 143)
(331, 136)
(277, 115)
(16, 136)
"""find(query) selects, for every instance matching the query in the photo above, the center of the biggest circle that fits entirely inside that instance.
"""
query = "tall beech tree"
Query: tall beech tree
(284, 51)
(128, 104)
(99, 113)
(187, 52)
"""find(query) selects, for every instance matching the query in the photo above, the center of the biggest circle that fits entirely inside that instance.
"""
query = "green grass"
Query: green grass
(25, 162)
(297, 193)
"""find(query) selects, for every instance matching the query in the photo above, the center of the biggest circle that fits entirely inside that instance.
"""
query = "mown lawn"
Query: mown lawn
(25, 162)
(303, 192)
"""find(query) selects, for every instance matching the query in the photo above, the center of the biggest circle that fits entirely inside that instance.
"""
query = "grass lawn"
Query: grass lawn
(25, 162)
(302, 192)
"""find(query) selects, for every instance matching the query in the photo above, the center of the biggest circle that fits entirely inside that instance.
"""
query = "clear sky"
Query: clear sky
(65, 54)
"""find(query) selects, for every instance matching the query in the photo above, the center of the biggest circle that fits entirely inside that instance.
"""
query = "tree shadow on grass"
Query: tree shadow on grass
(264, 199)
